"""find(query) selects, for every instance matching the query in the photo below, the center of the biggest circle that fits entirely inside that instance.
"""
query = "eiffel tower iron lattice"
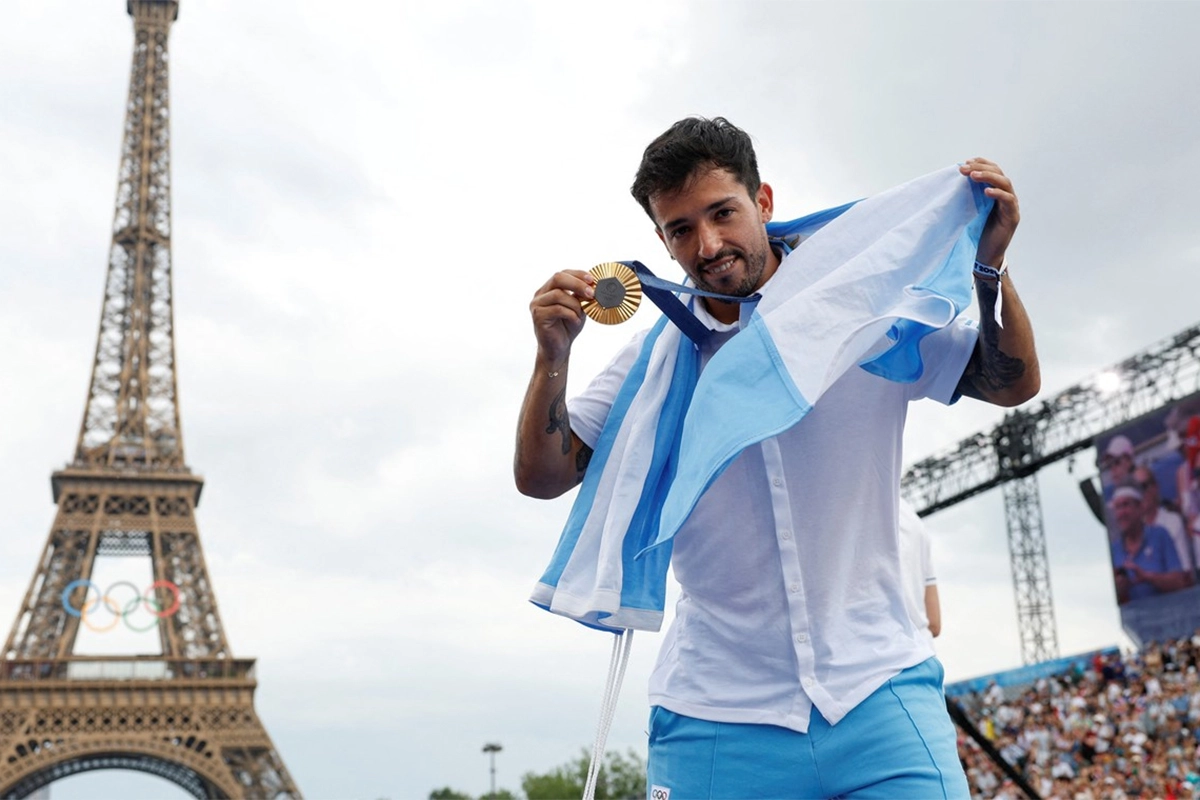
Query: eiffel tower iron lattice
(186, 715)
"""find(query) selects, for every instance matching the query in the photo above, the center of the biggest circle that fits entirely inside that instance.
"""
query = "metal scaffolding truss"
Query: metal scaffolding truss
(1031, 572)
(1027, 440)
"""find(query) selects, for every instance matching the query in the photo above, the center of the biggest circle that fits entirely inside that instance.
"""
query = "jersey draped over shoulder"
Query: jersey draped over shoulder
(860, 298)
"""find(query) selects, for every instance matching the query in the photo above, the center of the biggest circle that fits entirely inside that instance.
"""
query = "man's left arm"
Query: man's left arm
(933, 609)
(1004, 367)
(1171, 580)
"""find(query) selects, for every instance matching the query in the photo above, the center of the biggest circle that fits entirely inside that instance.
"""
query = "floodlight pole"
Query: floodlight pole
(491, 748)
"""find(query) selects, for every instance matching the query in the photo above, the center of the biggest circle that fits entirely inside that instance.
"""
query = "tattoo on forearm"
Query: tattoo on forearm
(990, 369)
(559, 421)
(582, 459)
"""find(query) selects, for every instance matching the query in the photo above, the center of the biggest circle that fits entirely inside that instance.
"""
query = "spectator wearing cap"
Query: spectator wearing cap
(1187, 481)
(1145, 562)
(1155, 513)
(1116, 467)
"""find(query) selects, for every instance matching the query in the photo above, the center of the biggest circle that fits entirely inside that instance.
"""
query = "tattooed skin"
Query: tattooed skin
(559, 421)
(582, 459)
(990, 370)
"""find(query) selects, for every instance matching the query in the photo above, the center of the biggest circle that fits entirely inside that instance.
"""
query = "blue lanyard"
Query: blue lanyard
(662, 294)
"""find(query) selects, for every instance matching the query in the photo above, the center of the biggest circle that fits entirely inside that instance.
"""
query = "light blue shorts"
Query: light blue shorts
(898, 743)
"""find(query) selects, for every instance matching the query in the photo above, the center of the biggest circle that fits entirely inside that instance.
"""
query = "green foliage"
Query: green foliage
(625, 776)
(446, 793)
(556, 785)
(622, 777)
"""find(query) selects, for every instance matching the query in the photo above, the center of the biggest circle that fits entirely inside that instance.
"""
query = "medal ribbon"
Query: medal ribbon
(662, 294)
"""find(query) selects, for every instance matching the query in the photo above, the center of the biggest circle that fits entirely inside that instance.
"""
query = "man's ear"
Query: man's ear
(766, 202)
(658, 232)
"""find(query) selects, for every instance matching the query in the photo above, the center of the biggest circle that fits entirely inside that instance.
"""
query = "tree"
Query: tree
(622, 777)
(446, 793)
(626, 776)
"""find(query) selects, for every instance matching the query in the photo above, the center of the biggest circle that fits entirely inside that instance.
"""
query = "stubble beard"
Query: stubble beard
(756, 265)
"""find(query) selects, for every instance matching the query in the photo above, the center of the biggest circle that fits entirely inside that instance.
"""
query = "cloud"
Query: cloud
(364, 204)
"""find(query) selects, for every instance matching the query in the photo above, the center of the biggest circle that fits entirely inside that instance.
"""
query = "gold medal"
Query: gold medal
(618, 293)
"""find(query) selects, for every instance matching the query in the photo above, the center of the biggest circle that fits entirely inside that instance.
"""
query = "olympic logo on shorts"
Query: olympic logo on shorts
(87, 611)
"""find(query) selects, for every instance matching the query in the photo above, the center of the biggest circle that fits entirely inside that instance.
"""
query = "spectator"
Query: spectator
(1145, 562)
(1121, 729)
(1186, 481)
(1155, 513)
(1116, 465)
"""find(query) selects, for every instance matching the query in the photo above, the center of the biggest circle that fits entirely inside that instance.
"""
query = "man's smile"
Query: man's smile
(719, 266)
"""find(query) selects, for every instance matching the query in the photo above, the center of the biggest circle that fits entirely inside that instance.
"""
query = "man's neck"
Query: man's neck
(1133, 541)
(721, 311)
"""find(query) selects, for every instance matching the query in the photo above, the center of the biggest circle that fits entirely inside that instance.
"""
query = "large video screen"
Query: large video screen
(1150, 485)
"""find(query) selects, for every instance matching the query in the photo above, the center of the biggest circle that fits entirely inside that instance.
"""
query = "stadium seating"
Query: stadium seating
(1125, 726)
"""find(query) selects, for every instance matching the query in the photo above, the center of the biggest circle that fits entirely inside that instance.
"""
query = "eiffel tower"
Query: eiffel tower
(186, 715)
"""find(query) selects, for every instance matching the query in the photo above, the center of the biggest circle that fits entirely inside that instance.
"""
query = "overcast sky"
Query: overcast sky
(365, 197)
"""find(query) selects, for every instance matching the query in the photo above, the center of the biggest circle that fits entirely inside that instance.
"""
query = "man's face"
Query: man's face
(1128, 513)
(1121, 466)
(1145, 481)
(714, 229)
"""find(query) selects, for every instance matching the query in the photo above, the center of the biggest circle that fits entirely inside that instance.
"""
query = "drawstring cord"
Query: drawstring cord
(608, 707)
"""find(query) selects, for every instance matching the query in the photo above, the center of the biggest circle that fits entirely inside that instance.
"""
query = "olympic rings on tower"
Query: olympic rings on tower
(120, 613)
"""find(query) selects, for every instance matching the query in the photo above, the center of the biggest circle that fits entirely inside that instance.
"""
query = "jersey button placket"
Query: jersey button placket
(793, 580)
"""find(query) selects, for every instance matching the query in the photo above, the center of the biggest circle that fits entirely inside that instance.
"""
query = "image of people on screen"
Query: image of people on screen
(1187, 475)
(1157, 512)
(1116, 465)
(1145, 559)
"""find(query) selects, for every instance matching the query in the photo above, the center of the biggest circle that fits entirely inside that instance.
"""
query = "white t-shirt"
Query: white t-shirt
(789, 564)
(1172, 523)
(916, 565)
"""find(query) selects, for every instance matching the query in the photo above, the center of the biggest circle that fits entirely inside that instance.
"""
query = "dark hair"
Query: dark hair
(671, 159)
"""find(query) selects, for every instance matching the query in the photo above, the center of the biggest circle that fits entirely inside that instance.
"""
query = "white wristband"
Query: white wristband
(997, 275)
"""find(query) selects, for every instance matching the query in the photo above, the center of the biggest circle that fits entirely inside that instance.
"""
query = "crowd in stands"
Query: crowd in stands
(1126, 727)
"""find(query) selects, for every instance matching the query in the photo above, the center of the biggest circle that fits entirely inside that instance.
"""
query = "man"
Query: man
(1117, 465)
(1187, 476)
(916, 570)
(791, 669)
(1155, 513)
(1144, 559)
